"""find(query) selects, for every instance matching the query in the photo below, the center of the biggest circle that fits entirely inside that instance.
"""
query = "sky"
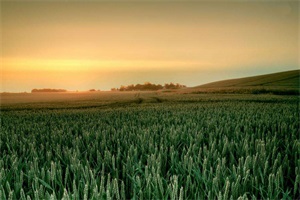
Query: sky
(82, 45)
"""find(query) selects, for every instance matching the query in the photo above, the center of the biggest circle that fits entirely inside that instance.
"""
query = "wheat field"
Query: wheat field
(151, 146)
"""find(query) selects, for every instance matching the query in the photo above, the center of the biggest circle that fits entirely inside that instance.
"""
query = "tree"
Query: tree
(147, 86)
(48, 90)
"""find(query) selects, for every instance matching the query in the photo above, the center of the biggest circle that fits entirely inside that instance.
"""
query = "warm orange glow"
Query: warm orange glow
(93, 65)
(82, 45)
(45, 65)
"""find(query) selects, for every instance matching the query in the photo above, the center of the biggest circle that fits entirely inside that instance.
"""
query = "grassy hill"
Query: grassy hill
(278, 83)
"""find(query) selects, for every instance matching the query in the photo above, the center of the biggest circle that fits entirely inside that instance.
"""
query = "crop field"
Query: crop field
(149, 146)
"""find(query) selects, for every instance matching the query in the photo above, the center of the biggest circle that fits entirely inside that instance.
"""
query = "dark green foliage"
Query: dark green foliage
(48, 90)
(149, 87)
(175, 150)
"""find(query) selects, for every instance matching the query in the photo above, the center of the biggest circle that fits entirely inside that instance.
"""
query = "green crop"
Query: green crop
(183, 149)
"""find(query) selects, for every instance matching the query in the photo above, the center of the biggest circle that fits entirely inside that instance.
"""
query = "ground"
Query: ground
(153, 145)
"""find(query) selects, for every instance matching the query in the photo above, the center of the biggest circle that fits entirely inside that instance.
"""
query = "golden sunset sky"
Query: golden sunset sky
(80, 45)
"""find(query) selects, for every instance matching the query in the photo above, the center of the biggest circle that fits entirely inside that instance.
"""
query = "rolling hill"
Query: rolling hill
(279, 83)
(287, 79)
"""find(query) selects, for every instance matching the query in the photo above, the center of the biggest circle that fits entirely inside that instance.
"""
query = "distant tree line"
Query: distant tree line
(94, 90)
(148, 87)
(48, 90)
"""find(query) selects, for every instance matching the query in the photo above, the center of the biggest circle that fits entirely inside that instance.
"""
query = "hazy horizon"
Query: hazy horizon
(102, 45)
(109, 89)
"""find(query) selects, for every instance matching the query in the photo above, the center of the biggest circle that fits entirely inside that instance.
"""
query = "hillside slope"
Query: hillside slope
(281, 83)
(284, 80)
